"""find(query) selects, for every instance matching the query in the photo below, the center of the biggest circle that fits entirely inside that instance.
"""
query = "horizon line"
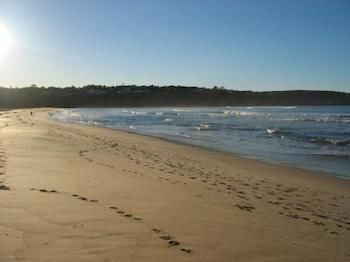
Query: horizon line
(170, 85)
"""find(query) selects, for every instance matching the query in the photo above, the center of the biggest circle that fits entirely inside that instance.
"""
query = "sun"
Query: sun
(5, 41)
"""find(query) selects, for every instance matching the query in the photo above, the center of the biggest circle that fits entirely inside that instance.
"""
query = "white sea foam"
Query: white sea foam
(271, 131)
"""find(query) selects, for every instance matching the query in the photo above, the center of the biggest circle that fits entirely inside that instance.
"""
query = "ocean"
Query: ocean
(310, 137)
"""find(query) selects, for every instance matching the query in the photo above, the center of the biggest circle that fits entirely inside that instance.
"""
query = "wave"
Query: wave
(243, 128)
(311, 139)
(181, 110)
(140, 113)
(205, 127)
(281, 117)
(330, 141)
(272, 131)
(183, 135)
(335, 155)
(345, 119)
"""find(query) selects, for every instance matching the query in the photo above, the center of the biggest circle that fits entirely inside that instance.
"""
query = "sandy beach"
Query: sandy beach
(79, 193)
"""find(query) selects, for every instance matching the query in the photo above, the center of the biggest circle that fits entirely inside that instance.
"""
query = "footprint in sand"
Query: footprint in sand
(156, 230)
(318, 223)
(245, 207)
(173, 243)
(83, 198)
(187, 250)
(166, 237)
(3, 187)
(44, 190)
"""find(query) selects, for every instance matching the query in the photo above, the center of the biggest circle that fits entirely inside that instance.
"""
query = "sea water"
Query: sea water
(311, 137)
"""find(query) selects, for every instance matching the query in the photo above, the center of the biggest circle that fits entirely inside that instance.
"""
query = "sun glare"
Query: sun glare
(5, 41)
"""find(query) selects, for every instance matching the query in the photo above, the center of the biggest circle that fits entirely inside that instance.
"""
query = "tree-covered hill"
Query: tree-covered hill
(137, 96)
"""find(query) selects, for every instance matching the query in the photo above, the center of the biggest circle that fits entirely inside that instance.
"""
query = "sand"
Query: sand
(78, 193)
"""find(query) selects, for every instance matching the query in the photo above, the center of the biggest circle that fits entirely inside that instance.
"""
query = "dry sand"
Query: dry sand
(80, 193)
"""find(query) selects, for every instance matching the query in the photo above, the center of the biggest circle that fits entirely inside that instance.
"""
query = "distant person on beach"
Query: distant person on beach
(31, 113)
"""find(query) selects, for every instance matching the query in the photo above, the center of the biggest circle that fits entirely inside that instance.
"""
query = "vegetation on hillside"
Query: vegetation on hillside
(137, 96)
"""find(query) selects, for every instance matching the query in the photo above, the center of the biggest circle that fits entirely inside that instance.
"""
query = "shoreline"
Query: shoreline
(312, 174)
(236, 158)
(233, 154)
(87, 193)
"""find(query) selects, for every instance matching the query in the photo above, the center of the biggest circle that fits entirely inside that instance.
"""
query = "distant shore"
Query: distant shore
(160, 96)
(81, 193)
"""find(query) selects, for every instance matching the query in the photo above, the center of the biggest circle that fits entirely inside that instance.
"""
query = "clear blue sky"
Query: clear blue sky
(242, 44)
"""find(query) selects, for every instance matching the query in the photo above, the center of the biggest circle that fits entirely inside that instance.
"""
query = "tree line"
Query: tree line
(155, 96)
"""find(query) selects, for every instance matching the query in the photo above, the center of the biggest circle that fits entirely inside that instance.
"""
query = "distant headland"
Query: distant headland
(157, 96)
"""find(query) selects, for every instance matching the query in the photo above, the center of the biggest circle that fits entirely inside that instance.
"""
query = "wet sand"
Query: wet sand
(78, 193)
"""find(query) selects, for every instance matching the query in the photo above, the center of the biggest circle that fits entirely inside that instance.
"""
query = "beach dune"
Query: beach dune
(79, 193)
